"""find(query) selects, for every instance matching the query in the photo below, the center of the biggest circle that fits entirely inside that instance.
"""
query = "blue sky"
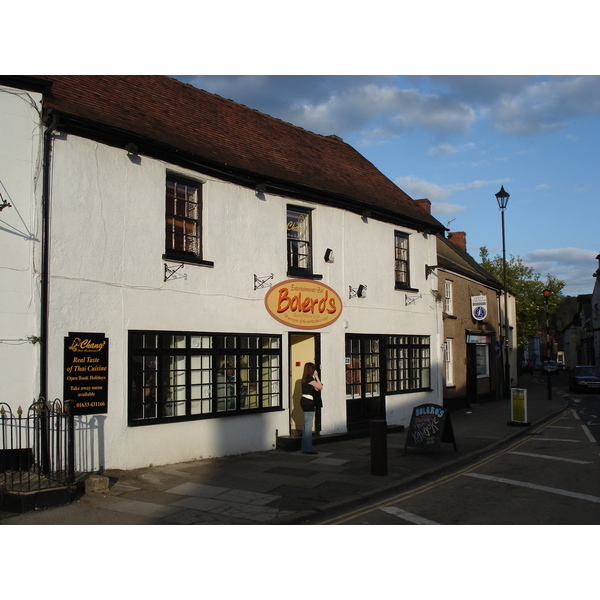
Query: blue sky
(456, 140)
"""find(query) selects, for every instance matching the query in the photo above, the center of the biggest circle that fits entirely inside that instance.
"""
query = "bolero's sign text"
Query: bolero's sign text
(303, 304)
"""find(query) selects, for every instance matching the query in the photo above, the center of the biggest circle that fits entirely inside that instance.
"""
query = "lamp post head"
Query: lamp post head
(502, 197)
(546, 294)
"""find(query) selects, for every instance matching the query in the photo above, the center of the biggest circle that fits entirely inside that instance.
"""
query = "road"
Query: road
(547, 477)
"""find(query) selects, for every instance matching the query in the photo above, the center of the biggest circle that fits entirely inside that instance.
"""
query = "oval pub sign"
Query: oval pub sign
(303, 304)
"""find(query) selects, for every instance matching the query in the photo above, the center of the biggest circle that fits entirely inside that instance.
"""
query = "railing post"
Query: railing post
(42, 411)
(70, 441)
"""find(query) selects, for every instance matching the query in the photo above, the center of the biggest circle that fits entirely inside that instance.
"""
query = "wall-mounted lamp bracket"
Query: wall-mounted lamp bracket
(4, 203)
(261, 282)
(429, 269)
(411, 299)
(359, 292)
(170, 272)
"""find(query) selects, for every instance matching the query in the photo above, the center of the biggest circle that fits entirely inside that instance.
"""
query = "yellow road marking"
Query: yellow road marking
(429, 486)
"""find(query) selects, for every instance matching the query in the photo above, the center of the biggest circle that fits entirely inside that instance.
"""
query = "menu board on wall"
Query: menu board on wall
(430, 425)
(86, 372)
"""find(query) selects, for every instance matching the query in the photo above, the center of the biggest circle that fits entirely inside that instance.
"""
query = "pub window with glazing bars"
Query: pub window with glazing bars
(408, 363)
(401, 265)
(184, 376)
(183, 211)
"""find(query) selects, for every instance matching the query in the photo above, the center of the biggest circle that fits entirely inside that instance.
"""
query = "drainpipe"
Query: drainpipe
(45, 275)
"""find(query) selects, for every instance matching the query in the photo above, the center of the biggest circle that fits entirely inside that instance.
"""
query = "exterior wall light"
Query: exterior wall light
(359, 292)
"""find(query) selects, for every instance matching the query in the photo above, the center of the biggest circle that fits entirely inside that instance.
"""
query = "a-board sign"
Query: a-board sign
(430, 425)
(518, 407)
(86, 372)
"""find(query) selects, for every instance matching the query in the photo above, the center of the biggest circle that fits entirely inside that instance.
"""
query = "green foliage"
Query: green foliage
(527, 287)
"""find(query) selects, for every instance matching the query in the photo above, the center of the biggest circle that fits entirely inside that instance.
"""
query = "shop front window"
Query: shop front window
(482, 360)
(180, 376)
(408, 363)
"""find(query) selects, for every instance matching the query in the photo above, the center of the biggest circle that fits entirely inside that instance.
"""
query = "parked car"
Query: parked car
(584, 378)
(549, 366)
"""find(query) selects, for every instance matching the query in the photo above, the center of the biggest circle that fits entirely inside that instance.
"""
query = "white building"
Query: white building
(195, 255)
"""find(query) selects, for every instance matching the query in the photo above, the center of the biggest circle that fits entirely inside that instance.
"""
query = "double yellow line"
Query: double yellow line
(340, 520)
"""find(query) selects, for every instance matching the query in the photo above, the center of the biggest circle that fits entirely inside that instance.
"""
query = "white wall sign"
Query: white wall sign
(479, 307)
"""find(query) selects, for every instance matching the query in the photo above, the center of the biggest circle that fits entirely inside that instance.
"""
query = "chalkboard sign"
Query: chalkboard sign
(430, 425)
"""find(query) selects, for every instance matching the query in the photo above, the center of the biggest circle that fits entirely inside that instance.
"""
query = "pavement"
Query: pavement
(283, 487)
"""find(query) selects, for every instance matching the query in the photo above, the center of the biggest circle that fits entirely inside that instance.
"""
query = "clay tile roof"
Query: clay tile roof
(220, 131)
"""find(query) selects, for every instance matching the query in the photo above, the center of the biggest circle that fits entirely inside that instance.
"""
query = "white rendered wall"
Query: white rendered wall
(21, 141)
(107, 276)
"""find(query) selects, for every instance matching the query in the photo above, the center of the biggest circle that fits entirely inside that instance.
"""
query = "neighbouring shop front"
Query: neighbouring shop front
(480, 362)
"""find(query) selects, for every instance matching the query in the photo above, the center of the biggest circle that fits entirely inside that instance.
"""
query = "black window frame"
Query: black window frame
(401, 260)
(172, 252)
(407, 363)
(293, 244)
(204, 359)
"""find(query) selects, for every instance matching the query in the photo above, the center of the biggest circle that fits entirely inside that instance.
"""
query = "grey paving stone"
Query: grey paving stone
(135, 507)
(197, 489)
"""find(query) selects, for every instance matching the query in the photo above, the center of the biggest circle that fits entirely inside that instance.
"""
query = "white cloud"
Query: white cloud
(446, 208)
(419, 188)
(443, 149)
(545, 106)
(568, 256)
(574, 266)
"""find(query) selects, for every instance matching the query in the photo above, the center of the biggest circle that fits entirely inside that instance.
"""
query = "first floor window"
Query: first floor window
(299, 249)
(448, 297)
(448, 362)
(183, 211)
(195, 375)
(402, 274)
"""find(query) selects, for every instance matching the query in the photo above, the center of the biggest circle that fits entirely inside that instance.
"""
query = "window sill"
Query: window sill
(403, 288)
(415, 391)
(201, 417)
(190, 260)
(303, 275)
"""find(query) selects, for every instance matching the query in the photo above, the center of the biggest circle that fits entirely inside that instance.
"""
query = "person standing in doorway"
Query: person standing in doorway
(310, 385)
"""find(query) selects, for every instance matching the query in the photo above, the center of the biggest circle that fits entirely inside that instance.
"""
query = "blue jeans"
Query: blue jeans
(307, 445)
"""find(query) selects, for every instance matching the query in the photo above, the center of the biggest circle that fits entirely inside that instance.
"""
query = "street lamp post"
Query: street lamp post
(502, 197)
(547, 294)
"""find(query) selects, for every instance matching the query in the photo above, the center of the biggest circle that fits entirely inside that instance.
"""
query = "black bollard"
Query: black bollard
(378, 448)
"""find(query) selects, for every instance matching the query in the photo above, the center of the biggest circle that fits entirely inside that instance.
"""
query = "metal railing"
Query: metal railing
(37, 450)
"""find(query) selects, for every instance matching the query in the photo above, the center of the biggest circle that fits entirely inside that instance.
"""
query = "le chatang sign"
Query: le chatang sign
(303, 304)
(86, 372)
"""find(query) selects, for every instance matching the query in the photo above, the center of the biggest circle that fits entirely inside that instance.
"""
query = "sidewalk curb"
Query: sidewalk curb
(381, 492)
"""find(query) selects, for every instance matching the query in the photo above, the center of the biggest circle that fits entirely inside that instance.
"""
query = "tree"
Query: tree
(527, 287)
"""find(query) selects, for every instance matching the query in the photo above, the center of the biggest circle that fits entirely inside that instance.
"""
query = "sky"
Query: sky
(456, 139)
(442, 97)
